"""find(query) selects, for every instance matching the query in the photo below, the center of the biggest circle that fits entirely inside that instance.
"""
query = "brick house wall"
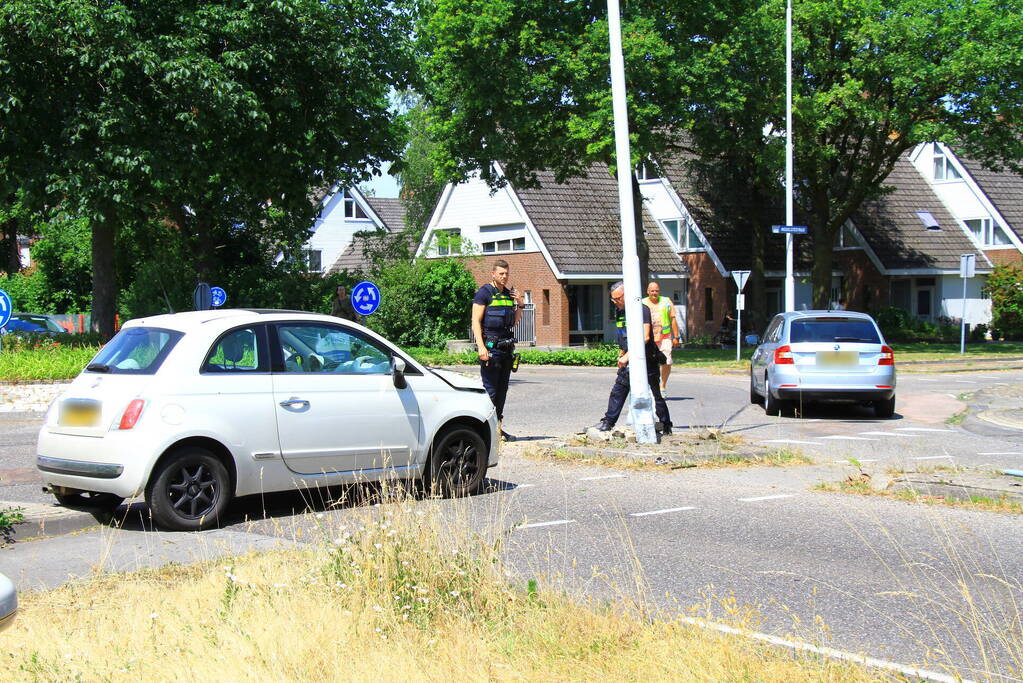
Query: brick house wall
(1004, 257)
(704, 275)
(530, 272)
(866, 289)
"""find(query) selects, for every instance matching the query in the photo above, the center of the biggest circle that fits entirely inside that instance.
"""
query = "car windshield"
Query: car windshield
(135, 351)
(833, 330)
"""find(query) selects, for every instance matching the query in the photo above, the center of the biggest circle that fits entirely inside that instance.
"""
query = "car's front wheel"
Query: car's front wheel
(458, 462)
(885, 408)
(189, 490)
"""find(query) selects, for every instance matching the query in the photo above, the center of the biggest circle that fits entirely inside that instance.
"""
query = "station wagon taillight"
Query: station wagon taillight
(132, 414)
(887, 356)
(783, 355)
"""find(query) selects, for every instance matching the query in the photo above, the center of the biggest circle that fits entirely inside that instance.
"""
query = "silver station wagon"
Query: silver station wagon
(808, 356)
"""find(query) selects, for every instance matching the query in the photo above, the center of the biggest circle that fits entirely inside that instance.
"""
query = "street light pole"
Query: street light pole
(641, 403)
(790, 279)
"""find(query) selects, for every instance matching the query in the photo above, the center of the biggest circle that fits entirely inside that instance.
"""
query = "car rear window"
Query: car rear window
(135, 351)
(833, 330)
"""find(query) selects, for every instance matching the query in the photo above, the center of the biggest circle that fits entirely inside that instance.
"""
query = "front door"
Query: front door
(337, 407)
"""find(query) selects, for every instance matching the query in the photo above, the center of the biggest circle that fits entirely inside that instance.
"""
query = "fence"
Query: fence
(525, 331)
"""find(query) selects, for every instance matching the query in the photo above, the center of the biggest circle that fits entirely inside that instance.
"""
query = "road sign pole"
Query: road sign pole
(641, 405)
(790, 278)
(967, 269)
(738, 323)
(962, 332)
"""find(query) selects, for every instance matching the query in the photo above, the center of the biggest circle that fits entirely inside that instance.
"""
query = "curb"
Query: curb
(46, 521)
(996, 417)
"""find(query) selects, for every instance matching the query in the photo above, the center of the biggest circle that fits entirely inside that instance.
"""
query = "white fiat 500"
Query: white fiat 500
(192, 409)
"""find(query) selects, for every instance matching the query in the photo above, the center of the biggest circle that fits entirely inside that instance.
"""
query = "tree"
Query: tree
(205, 114)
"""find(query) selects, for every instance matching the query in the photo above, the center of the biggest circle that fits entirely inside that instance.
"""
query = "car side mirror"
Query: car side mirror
(398, 373)
(752, 339)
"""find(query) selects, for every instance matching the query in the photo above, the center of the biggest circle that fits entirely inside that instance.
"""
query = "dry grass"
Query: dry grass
(403, 595)
(671, 460)
(859, 486)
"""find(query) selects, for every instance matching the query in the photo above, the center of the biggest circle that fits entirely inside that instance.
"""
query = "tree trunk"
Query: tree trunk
(642, 247)
(104, 275)
(820, 275)
(756, 303)
(10, 236)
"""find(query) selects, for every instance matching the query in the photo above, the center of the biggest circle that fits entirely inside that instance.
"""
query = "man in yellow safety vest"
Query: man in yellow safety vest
(665, 326)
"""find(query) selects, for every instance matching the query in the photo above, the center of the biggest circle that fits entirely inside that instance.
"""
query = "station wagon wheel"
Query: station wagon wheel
(89, 500)
(885, 408)
(457, 464)
(189, 490)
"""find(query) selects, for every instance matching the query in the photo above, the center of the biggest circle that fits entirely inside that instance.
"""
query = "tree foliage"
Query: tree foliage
(1005, 285)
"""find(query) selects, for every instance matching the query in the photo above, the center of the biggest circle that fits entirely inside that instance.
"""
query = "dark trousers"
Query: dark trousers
(495, 374)
(620, 390)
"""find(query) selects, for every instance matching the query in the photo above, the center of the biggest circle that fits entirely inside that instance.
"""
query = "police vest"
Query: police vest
(499, 316)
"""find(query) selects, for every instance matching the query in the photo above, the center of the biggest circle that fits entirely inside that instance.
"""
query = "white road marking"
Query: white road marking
(922, 429)
(848, 438)
(910, 671)
(660, 512)
(524, 486)
(904, 436)
(604, 476)
(965, 381)
(812, 443)
(847, 461)
(951, 395)
(554, 523)
(933, 457)
(924, 379)
(1001, 453)
(754, 500)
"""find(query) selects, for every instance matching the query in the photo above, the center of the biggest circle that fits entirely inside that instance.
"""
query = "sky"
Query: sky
(384, 185)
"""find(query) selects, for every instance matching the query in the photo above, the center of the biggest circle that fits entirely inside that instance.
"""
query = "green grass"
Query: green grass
(44, 363)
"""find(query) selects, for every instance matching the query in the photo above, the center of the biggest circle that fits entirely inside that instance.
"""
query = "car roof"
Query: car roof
(792, 315)
(219, 318)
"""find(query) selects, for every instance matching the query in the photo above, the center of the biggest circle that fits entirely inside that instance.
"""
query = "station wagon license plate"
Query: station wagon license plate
(79, 413)
(837, 358)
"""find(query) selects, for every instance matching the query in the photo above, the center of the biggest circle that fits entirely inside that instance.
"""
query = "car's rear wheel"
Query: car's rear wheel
(885, 408)
(457, 464)
(189, 490)
(88, 500)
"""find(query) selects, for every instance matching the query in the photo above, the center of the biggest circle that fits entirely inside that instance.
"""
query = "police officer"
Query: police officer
(620, 390)
(495, 311)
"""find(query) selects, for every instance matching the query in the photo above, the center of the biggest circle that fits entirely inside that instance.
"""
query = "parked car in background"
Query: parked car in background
(193, 409)
(34, 322)
(8, 602)
(808, 356)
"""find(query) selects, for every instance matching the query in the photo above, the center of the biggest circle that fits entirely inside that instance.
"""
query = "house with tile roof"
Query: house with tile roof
(900, 249)
(562, 242)
(354, 258)
(345, 212)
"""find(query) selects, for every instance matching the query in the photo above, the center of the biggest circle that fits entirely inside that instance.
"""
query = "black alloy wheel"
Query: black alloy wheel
(189, 491)
(458, 463)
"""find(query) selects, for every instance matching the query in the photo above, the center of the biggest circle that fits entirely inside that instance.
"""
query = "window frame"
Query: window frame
(988, 228)
(262, 349)
(512, 248)
(352, 207)
(947, 165)
(446, 250)
(278, 367)
(684, 235)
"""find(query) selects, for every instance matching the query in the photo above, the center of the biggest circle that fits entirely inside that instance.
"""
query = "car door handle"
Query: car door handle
(292, 402)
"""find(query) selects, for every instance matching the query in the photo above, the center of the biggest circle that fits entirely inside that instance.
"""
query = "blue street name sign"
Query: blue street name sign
(366, 298)
(6, 308)
(218, 297)
(789, 229)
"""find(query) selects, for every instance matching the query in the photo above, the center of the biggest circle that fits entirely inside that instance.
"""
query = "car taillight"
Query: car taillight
(783, 355)
(132, 413)
(887, 356)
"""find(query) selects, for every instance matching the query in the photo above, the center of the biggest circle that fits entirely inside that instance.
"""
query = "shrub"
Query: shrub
(28, 291)
(1006, 291)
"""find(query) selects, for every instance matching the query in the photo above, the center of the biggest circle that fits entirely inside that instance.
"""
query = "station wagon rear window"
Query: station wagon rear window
(833, 330)
(135, 351)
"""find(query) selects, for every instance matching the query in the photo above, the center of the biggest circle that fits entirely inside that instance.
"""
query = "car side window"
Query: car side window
(771, 335)
(238, 351)
(326, 349)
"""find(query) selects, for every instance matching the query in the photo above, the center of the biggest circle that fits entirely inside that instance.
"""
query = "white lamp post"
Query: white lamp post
(790, 279)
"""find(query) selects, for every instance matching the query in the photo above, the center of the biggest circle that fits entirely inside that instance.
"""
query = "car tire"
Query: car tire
(754, 397)
(885, 408)
(457, 464)
(89, 500)
(772, 405)
(189, 491)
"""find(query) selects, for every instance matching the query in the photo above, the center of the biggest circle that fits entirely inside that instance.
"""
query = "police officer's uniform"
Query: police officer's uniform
(498, 321)
(620, 390)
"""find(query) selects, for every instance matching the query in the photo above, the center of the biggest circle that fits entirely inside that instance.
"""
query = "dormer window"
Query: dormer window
(352, 208)
(647, 170)
(683, 234)
(944, 169)
(987, 232)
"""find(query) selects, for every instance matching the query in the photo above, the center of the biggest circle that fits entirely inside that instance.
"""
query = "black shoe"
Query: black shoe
(664, 429)
(505, 436)
(602, 426)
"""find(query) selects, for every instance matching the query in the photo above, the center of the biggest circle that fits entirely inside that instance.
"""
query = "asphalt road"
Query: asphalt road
(911, 583)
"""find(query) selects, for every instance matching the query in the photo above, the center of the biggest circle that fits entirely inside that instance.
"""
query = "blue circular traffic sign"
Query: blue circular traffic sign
(365, 298)
(218, 297)
(6, 308)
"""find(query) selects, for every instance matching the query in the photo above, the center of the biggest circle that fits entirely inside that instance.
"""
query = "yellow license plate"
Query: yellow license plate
(79, 414)
(837, 358)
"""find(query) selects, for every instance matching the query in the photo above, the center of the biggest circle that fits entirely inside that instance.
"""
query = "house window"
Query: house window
(352, 208)
(546, 307)
(683, 234)
(585, 308)
(987, 232)
(501, 246)
(845, 238)
(313, 259)
(447, 241)
(944, 169)
(647, 170)
(708, 304)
